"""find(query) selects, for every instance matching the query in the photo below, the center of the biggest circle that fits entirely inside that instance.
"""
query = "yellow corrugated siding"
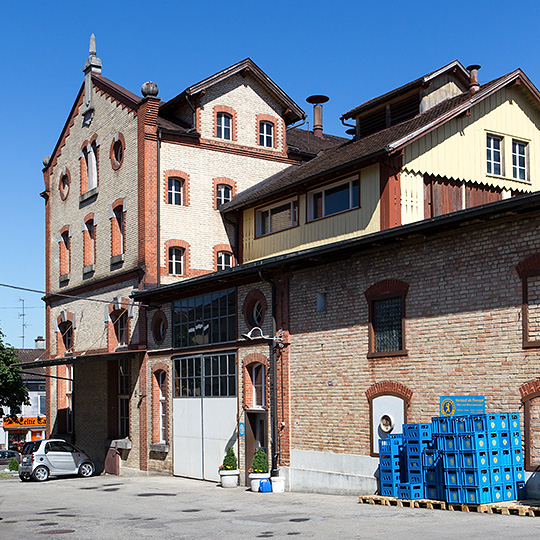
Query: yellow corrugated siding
(340, 227)
(457, 149)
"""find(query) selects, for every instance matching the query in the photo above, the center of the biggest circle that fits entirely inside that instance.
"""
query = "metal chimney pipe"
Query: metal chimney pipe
(317, 101)
(474, 85)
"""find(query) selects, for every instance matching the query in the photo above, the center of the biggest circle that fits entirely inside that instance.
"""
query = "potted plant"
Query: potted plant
(259, 469)
(228, 470)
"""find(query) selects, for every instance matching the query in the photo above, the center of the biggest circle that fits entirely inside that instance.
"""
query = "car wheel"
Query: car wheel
(41, 474)
(86, 470)
(25, 477)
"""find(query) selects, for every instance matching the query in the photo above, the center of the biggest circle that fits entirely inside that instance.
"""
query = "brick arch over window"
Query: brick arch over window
(530, 397)
(175, 173)
(116, 309)
(271, 120)
(223, 247)
(221, 180)
(160, 367)
(65, 320)
(186, 259)
(530, 264)
(247, 364)
(230, 111)
(389, 388)
(386, 286)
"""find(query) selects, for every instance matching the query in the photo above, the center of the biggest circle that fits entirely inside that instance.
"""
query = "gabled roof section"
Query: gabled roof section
(306, 142)
(456, 66)
(26, 358)
(353, 153)
(293, 112)
(118, 92)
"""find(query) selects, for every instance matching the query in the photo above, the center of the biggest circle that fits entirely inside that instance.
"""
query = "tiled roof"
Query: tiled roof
(356, 151)
(307, 142)
(27, 356)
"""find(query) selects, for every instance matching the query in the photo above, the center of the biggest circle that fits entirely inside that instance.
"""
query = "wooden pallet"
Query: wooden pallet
(509, 508)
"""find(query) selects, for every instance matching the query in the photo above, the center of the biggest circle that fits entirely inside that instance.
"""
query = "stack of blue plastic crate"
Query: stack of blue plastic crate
(390, 465)
(467, 459)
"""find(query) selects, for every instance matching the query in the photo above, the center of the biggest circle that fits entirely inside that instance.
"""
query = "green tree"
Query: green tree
(13, 393)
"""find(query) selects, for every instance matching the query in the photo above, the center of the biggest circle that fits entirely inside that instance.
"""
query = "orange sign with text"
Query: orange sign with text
(28, 421)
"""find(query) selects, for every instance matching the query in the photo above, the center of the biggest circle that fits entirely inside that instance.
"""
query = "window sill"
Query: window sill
(508, 179)
(162, 448)
(88, 195)
(117, 259)
(64, 277)
(121, 444)
(388, 354)
(89, 269)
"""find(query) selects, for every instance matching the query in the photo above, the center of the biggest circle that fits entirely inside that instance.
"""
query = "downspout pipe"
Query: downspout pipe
(158, 210)
(273, 383)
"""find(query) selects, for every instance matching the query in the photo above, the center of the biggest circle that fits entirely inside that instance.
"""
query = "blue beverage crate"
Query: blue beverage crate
(434, 492)
(411, 491)
(426, 431)
(475, 477)
(518, 473)
(509, 492)
(433, 476)
(515, 439)
(395, 436)
(498, 422)
(389, 462)
(449, 443)
(452, 477)
(478, 495)
(516, 457)
(493, 440)
(411, 431)
(505, 457)
(389, 490)
(507, 475)
(390, 447)
(441, 425)
(461, 424)
(472, 441)
(437, 442)
(514, 422)
(389, 476)
(451, 460)
(416, 447)
(414, 461)
(497, 493)
(468, 460)
(454, 494)
(496, 475)
(415, 476)
(430, 457)
(479, 422)
(521, 491)
(504, 439)
(494, 458)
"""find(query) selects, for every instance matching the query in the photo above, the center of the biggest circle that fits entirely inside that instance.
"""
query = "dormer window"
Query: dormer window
(224, 126)
(334, 199)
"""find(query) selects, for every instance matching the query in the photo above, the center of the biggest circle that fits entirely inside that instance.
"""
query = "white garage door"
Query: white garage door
(204, 413)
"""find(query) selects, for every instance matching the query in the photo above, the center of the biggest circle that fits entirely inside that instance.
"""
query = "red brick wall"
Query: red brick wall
(463, 331)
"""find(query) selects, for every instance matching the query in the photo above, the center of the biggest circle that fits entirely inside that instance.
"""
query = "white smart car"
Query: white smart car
(53, 457)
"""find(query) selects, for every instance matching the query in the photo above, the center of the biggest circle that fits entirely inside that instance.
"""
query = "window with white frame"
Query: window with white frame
(258, 381)
(223, 195)
(120, 323)
(494, 155)
(176, 257)
(175, 186)
(162, 385)
(90, 156)
(334, 199)
(224, 260)
(42, 405)
(276, 218)
(223, 125)
(519, 160)
(266, 134)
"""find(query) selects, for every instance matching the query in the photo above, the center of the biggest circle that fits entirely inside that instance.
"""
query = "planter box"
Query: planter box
(255, 478)
(229, 478)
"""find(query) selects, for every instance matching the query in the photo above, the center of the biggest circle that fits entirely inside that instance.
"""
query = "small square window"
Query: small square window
(321, 302)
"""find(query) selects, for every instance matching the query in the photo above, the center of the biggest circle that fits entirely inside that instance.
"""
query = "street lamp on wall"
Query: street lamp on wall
(255, 334)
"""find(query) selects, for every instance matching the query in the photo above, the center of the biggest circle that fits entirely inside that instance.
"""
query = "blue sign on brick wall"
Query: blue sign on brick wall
(241, 429)
(457, 405)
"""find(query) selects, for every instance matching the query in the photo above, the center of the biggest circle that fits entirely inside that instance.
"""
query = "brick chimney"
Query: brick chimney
(317, 101)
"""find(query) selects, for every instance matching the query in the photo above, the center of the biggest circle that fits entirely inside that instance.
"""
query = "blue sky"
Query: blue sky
(350, 51)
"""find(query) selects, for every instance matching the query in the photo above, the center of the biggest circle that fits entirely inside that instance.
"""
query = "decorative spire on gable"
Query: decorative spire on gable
(92, 65)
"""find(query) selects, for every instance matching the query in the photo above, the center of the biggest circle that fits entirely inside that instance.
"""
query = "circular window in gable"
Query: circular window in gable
(65, 182)
(159, 327)
(117, 151)
(254, 308)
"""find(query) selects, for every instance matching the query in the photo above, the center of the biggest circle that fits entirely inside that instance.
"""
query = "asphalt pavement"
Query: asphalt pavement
(177, 508)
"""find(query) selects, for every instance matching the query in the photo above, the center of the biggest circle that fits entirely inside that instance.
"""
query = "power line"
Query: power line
(25, 307)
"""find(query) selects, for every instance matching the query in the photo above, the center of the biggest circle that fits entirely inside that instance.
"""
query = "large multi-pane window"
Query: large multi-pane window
(494, 155)
(210, 375)
(276, 218)
(334, 199)
(202, 320)
(387, 323)
(519, 160)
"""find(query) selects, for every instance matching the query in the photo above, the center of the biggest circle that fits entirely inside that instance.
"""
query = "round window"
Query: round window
(118, 151)
(159, 327)
(257, 313)
(63, 186)
(254, 308)
(118, 146)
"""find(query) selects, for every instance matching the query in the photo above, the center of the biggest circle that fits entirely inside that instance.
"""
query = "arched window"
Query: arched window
(90, 167)
(66, 335)
(161, 378)
(224, 125)
(258, 382)
(65, 254)
(89, 231)
(117, 229)
(223, 195)
(120, 324)
(174, 192)
(224, 260)
(176, 257)
(266, 134)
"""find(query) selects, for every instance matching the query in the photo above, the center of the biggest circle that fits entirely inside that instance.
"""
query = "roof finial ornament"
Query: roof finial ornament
(92, 65)
(92, 49)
